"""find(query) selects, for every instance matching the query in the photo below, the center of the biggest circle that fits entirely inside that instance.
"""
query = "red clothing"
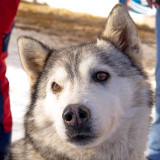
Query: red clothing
(8, 10)
(4, 91)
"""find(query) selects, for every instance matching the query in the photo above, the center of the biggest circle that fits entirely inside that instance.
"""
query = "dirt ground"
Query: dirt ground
(59, 29)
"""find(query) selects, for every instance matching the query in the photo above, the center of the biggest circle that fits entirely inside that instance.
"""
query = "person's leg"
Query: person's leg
(154, 137)
(5, 113)
(8, 10)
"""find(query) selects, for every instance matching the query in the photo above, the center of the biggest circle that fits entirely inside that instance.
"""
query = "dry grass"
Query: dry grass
(77, 27)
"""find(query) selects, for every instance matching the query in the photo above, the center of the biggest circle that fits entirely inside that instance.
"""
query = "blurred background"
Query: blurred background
(59, 24)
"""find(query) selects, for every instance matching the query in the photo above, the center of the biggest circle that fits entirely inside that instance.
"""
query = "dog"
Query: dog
(89, 102)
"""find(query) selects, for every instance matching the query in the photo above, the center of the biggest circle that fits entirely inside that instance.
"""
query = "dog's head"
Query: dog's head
(84, 91)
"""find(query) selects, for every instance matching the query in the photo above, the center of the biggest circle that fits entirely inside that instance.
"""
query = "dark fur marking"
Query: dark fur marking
(110, 63)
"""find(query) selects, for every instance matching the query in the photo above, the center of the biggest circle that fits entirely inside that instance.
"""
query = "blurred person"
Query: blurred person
(8, 9)
(137, 6)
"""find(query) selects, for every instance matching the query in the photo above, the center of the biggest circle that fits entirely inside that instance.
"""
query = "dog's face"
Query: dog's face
(85, 96)
(84, 91)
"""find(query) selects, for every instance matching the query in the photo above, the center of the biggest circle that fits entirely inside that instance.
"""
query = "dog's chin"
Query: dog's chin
(87, 141)
(82, 141)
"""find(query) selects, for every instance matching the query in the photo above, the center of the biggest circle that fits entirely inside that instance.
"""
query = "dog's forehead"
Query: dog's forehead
(76, 60)
(84, 54)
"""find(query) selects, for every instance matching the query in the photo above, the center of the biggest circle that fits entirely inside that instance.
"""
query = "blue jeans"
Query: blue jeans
(154, 137)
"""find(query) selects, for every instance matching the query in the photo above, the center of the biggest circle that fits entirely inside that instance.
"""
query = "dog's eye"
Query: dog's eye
(101, 76)
(56, 87)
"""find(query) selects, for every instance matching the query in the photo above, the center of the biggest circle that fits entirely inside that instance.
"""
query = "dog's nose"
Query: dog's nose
(76, 115)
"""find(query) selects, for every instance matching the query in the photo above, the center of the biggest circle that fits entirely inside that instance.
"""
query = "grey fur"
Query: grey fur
(37, 143)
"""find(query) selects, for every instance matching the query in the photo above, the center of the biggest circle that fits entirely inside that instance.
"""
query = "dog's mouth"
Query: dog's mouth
(81, 139)
(81, 135)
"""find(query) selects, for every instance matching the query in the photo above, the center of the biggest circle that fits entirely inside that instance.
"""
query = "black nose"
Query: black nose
(76, 115)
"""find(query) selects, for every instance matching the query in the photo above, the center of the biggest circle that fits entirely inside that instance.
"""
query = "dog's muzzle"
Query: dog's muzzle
(77, 119)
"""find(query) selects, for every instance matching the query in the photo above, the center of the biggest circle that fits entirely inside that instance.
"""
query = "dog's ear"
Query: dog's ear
(33, 55)
(121, 31)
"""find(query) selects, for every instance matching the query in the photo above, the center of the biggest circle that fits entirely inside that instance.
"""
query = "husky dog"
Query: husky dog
(90, 102)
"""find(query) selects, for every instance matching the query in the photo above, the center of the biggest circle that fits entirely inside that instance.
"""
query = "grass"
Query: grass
(76, 26)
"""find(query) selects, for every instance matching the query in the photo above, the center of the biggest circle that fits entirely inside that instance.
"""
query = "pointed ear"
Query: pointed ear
(121, 31)
(33, 55)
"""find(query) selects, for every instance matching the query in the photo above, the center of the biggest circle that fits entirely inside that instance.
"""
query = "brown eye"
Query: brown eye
(102, 76)
(56, 87)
